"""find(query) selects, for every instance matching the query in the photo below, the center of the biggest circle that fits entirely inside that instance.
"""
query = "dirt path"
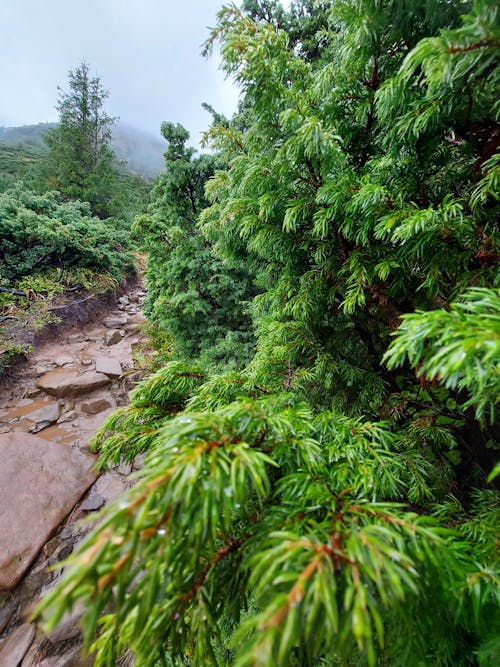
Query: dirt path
(47, 480)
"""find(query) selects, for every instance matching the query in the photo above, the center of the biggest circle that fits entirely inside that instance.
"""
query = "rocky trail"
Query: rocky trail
(47, 477)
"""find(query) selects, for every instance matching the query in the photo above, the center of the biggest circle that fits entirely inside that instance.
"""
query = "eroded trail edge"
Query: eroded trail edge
(47, 480)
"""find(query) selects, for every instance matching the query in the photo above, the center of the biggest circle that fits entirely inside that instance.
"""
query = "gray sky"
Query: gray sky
(147, 53)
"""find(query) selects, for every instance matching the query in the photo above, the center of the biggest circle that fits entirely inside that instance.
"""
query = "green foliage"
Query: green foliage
(192, 295)
(460, 347)
(16, 162)
(10, 353)
(80, 162)
(41, 232)
(323, 505)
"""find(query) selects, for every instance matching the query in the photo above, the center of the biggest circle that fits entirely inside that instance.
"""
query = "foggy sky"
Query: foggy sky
(147, 53)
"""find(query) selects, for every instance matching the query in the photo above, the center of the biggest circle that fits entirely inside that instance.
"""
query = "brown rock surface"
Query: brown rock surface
(108, 366)
(115, 321)
(94, 407)
(16, 645)
(113, 337)
(40, 482)
(66, 382)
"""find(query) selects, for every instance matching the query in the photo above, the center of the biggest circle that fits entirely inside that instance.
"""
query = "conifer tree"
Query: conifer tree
(81, 162)
(199, 302)
(333, 502)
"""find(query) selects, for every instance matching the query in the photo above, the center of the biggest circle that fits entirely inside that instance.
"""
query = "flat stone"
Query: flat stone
(67, 417)
(67, 628)
(113, 337)
(109, 366)
(64, 361)
(115, 321)
(124, 469)
(6, 613)
(41, 370)
(76, 338)
(40, 483)
(95, 407)
(109, 486)
(73, 658)
(16, 645)
(94, 502)
(65, 382)
(124, 300)
(49, 414)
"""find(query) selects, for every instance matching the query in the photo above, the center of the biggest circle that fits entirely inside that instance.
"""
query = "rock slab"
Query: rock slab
(115, 321)
(40, 482)
(14, 648)
(109, 366)
(64, 382)
(113, 337)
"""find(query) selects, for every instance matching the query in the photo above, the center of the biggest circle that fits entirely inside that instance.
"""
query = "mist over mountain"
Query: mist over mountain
(141, 152)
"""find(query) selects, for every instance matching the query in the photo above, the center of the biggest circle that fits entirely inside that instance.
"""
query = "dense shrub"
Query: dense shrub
(41, 232)
(199, 301)
(332, 503)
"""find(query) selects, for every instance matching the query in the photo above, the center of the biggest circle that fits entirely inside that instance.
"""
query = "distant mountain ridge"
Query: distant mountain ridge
(142, 152)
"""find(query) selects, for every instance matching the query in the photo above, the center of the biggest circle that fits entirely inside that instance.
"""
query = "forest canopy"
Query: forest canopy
(329, 501)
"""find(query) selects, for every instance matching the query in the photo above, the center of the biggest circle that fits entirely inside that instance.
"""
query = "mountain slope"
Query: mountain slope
(141, 152)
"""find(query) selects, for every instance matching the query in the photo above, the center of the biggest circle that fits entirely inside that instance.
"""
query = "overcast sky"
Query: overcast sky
(147, 53)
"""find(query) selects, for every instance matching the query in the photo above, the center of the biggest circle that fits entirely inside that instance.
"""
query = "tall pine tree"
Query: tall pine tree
(81, 162)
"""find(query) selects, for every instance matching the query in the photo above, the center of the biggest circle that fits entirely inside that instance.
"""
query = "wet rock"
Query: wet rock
(124, 300)
(68, 628)
(44, 416)
(109, 366)
(76, 338)
(51, 547)
(94, 502)
(16, 645)
(115, 321)
(139, 461)
(41, 370)
(109, 486)
(95, 407)
(124, 469)
(6, 613)
(65, 382)
(66, 532)
(72, 658)
(37, 651)
(35, 580)
(113, 337)
(40, 482)
(33, 392)
(64, 361)
(62, 552)
(67, 417)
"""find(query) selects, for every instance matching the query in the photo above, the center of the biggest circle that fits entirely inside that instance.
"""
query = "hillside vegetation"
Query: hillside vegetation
(141, 153)
(319, 485)
(65, 213)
